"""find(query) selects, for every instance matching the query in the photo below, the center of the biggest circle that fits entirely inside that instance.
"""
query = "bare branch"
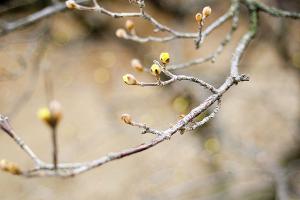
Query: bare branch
(180, 78)
(6, 127)
(244, 42)
(275, 11)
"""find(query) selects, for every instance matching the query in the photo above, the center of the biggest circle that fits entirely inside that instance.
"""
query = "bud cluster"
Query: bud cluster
(155, 68)
(200, 17)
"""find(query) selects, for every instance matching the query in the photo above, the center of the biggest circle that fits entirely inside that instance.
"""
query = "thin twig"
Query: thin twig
(205, 119)
(7, 27)
(54, 146)
(6, 127)
(244, 42)
(217, 52)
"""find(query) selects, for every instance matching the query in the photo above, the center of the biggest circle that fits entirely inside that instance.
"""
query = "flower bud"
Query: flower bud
(10, 167)
(198, 17)
(44, 114)
(51, 115)
(129, 79)
(126, 118)
(121, 33)
(206, 11)
(129, 25)
(155, 70)
(165, 58)
(71, 4)
(136, 64)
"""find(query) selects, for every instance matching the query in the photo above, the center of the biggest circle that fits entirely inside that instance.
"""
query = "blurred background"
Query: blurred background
(251, 150)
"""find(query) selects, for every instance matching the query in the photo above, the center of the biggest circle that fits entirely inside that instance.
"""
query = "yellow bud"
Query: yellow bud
(121, 33)
(10, 167)
(126, 118)
(155, 69)
(129, 79)
(206, 11)
(136, 64)
(129, 25)
(198, 17)
(165, 58)
(44, 114)
(71, 4)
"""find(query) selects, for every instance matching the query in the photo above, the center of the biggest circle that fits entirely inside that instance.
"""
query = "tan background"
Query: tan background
(86, 69)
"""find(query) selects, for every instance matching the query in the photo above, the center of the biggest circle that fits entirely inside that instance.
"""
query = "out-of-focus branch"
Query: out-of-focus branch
(37, 59)
(7, 27)
(13, 6)
(275, 11)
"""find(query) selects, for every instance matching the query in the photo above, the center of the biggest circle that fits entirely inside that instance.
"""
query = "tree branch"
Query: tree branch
(7, 27)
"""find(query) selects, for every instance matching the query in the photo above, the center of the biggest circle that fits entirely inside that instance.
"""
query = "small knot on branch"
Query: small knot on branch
(239, 78)
(244, 77)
